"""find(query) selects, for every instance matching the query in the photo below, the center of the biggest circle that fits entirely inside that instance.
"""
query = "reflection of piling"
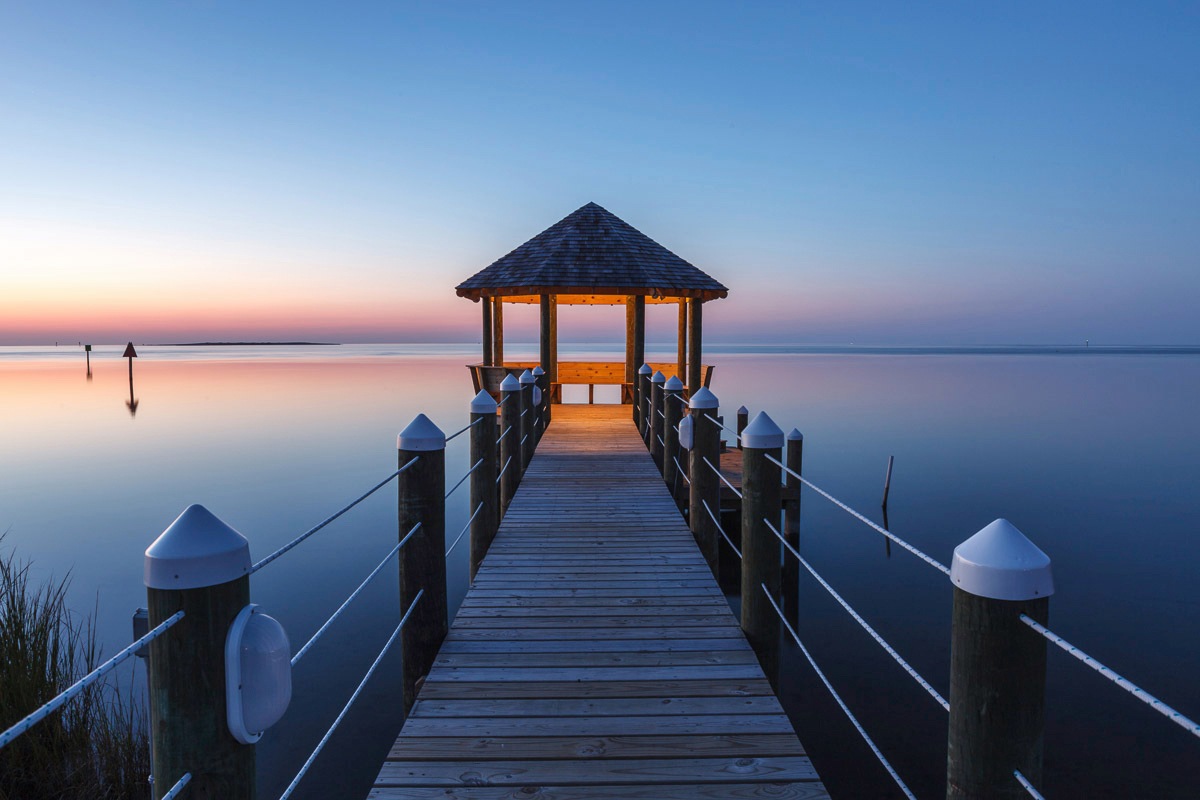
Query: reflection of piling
(131, 354)
(790, 576)
(87, 352)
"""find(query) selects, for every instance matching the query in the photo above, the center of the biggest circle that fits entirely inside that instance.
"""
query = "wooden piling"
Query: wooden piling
(186, 666)
(743, 417)
(510, 440)
(528, 419)
(421, 499)
(760, 547)
(705, 486)
(656, 418)
(673, 412)
(541, 379)
(489, 347)
(485, 494)
(694, 378)
(645, 372)
(790, 573)
(997, 664)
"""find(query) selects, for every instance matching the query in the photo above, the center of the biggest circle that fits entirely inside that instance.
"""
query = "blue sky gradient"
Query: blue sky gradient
(871, 173)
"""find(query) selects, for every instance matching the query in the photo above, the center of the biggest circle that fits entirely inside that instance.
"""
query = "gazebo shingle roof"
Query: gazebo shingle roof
(592, 251)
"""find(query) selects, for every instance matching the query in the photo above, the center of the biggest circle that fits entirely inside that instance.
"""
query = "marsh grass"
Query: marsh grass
(95, 747)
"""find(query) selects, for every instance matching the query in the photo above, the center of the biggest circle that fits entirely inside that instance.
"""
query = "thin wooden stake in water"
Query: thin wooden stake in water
(887, 483)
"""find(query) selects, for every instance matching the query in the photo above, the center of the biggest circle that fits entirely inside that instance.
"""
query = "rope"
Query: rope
(660, 413)
(464, 430)
(524, 439)
(1189, 725)
(506, 430)
(660, 440)
(1021, 779)
(174, 791)
(313, 530)
(853, 720)
(474, 467)
(502, 469)
(320, 745)
(478, 508)
(720, 529)
(681, 470)
(713, 420)
(722, 477)
(878, 639)
(927, 559)
(320, 631)
(75, 689)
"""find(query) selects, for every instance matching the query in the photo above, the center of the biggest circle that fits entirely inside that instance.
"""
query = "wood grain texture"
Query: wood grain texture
(595, 656)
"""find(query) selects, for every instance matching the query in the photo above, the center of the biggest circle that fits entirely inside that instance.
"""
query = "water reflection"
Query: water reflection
(131, 403)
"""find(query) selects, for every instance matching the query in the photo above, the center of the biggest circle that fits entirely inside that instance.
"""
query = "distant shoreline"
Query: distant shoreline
(246, 344)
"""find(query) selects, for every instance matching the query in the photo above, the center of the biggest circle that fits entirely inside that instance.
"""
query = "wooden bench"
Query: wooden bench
(573, 373)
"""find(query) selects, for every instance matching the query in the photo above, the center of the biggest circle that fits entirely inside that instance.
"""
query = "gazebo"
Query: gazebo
(592, 257)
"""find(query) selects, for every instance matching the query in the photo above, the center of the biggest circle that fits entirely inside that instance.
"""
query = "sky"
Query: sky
(1016, 173)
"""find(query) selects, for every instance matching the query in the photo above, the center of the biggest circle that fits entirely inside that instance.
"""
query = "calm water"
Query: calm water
(1095, 456)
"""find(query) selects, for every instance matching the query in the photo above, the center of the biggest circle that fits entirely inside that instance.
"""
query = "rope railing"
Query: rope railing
(720, 530)
(461, 431)
(174, 791)
(500, 438)
(1027, 786)
(461, 480)
(316, 528)
(320, 631)
(737, 436)
(524, 439)
(503, 469)
(660, 441)
(77, 688)
(924, 684)
(681, 470)
(878, 529)
(370, 671)
(466, 527)
(660, 413)
(849, 714)
(724, 480)
(1188, 724)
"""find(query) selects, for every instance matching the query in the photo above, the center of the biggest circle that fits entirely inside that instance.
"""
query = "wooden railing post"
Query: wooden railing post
(528, 419)
(705, 486)
(641, 397)
(673, 412)
(790, 575)
(656, 418)
(485, 494)
(687, 440)
(761, 498)
(510, 440)
(743, 417)
(997, 664)
(421, 499)
(201, 566)
(542, 382)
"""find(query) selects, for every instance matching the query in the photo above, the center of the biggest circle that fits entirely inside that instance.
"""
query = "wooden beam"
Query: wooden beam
(694, 345)
(639, 331)
(489, 352)
(544, 333)
(498, 318)
(681, 338)
(630, 367)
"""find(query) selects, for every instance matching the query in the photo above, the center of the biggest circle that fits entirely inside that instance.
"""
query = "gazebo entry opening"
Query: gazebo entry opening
(592, 257)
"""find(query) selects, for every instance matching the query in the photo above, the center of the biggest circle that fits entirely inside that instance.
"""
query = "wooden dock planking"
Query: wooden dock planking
(595, 655)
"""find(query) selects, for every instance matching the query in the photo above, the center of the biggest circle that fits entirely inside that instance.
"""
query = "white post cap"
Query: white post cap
(794, 435)
(421, 436)
(537, 396)
(673, 384)
(658, 377)
(483, 403)
(686, 435)
(645, 369)
(1000, 563)
(703, 398)
(510, 383)
(538, 371)
(743, 410)
(195, 551)
(527, 378)
(762, 433)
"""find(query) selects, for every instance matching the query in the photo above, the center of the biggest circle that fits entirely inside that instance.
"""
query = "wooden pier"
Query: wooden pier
(595, 656)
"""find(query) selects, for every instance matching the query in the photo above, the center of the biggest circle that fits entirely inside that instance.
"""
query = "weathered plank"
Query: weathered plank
(594, 655)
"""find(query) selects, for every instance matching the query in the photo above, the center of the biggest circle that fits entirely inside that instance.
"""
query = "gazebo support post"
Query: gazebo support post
(630, 366)
(552, 367)
(682, 339)
(498, 319)
(639, 333)
(489, 353)
(694, 378)
(545, 332)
